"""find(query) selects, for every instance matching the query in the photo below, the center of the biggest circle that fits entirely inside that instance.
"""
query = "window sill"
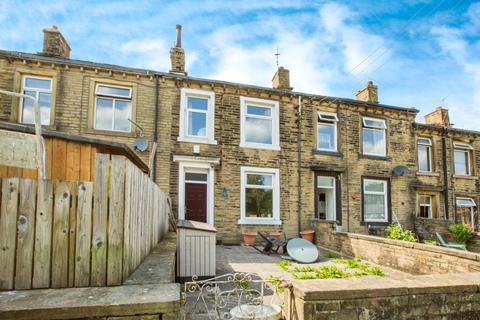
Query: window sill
(374, 223)
(327, 153)
(109, 133)
(264, 147)
(374, 157)
(198, 141)
(428, 174)
(260, 221)
(465, 177)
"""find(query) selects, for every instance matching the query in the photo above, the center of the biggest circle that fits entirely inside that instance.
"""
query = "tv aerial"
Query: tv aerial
(141, 142)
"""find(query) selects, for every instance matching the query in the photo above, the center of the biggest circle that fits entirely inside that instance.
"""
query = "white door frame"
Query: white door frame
(184, 166)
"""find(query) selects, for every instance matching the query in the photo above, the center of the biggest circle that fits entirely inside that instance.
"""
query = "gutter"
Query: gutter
(445, 170)
(299, 163)
(155, 126)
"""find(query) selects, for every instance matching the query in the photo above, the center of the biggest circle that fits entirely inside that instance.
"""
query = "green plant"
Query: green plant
(430, 242)
(327, 272)
(304, 269)
(394, 231)
(330, 255)
(276, 282)
(285, 265)
(462, 232)
(375, 271)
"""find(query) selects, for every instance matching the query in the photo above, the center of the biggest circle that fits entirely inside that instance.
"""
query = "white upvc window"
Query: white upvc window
(113, 107)
(374, 137)
(197, 116)
(424, 151)
(39, 88)
(259, 123)
(327, 131)
(375, 200)
(465, 212)
(260, 196)
(462, 154)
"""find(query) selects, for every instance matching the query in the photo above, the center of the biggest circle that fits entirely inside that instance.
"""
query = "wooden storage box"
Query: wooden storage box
(195, 249)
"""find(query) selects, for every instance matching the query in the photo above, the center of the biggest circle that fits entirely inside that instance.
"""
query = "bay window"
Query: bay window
(374, 137)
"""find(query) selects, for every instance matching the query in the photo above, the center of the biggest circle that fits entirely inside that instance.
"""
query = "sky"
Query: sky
(420, 53)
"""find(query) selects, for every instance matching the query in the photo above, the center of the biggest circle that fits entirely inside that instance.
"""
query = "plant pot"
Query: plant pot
(275, 235)
(308, 235)
(249, 238)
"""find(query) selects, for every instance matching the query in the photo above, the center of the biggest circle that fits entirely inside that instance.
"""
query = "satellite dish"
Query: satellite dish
(140, 144)
(302, 250)
(400, 171)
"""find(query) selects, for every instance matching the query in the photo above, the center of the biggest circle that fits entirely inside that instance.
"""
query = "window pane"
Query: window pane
(258, 130)
(259, 179)
(38, 83)
(424, 141)
(113, 91)
(374, 123)
(197, 124)
(423, 158)
(197, 103)
(374, 142)
(45, 101)
(122, 114)
(258, 203)
(374, 207)
(259, 111)
(104, 114)
(326, 136)
(461, 162)
(465, 203)
(374, 186)
(325, 182)
(327, 117)
(424, 212)
(27, 108)
(425, 200)
(192, 176)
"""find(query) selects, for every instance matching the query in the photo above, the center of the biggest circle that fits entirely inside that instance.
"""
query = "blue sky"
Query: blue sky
(417, 51)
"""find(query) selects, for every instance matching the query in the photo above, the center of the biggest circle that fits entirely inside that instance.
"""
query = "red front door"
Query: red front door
(196, 201)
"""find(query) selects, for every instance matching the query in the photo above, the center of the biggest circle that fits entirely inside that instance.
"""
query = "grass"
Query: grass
(330, 255)
(353, 268)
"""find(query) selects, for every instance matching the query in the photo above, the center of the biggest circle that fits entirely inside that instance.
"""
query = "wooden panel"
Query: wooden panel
(29, 173)
(126, 220)
(25, 233)
(43, 235)
(59, 152)
(85, 162)
(83, 234)
(115, 220)
(49, 157)
(3, 171)
(60, 243)
(72, 226)
(8, 218)
(100, 214)
(72, 170)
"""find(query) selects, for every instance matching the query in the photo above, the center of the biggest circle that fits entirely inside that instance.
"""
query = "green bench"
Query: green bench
(452, 245)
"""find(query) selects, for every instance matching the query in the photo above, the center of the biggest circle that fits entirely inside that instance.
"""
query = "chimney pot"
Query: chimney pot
(177, 54)
(54, 44)
(179, 36)
(369, 93)
(281, 79)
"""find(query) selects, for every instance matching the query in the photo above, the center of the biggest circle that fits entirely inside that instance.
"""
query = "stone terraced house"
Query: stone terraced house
(245, 157)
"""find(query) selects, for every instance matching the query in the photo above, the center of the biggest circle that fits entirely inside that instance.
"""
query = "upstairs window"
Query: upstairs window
(424, 150)
(39, 88)
(374, 137)
(113, 108)
(197, 116)
(462, 156)
(327, 131)
(259, 124)
(375, 200)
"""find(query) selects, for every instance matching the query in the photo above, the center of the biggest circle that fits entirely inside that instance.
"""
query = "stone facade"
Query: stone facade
(156, 107)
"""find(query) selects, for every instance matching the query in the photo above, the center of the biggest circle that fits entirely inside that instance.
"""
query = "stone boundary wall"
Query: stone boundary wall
(425, 228)
(452, 296)
(149, 293)
(414, 258)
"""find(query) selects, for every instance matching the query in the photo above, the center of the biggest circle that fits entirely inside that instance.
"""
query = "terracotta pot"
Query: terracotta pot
(308, 235)
(275, 235)
(249, 238)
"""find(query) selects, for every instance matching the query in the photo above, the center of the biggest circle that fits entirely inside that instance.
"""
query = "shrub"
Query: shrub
(285, 265)
(394, 231)
(462, 232)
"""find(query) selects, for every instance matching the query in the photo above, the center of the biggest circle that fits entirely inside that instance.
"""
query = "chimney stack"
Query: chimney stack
(369, 93)
(438, 117)
(54, 44)
(281, 79)
(177, 54)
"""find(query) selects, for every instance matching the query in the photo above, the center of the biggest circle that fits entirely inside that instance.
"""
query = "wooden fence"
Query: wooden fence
(56, 234)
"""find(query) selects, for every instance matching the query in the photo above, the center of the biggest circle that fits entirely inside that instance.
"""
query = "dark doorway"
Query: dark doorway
(196, 201)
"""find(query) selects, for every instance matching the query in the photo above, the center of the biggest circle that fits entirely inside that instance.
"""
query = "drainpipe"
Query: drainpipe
(299, 165)
(445, 170)
(155, 125)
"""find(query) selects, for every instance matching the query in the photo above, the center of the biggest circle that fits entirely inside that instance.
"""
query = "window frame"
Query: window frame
(383, 128)
(430, 205)
(429, 147)
(23, 88)
(328, 122)
(275, 219)
(387, 200)
(275, 118)
(183, 135)
(466, 149)
(114, 98)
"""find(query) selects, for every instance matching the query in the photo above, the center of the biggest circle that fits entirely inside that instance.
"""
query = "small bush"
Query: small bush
(462, 232)
(394, 231)
(328, 272)
(285, 265)
(330, 255)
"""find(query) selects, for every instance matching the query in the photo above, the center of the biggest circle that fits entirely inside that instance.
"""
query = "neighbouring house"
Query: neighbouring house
(244, 157)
